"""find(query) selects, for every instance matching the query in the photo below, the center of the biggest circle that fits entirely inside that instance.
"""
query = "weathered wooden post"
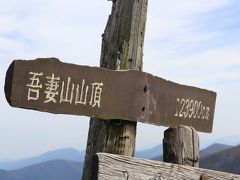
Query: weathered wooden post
(181, 146)
(122, 48)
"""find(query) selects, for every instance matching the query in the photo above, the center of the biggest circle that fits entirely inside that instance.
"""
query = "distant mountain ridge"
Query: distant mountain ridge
(227, 160)
(217, 156)
(69, 154)
(214, 148)
(48, 165)
(150, 153)
(51, 170)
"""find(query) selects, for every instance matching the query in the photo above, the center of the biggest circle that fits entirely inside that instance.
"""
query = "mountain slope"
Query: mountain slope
(150, 153)
(227, 160)
(51, 170)
(68, 154)
(64, 154)
(217, 147)
(214, 148)
(5, 176)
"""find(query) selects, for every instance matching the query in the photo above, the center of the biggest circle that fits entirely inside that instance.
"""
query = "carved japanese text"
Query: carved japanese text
(59, 91)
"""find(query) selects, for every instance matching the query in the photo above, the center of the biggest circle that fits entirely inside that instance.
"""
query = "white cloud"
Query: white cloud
(68, 30)
(172, 17)
(185, 27)
(209, 65)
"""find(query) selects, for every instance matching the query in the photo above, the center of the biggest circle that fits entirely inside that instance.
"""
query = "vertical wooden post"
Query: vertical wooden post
(122, 48)
(181, 146)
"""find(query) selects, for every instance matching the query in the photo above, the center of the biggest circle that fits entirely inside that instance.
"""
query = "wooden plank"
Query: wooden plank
(52, 86)
(117, 167)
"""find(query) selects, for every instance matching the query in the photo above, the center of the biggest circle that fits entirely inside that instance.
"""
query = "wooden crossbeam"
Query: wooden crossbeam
(52, 86)
(118, 167)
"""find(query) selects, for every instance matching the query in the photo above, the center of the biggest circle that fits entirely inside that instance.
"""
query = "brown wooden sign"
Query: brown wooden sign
(52, 86)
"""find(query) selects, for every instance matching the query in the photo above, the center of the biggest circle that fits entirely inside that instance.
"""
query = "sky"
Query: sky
(189, 42)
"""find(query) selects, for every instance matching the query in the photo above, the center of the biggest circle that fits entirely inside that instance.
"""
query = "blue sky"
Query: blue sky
(189, 42)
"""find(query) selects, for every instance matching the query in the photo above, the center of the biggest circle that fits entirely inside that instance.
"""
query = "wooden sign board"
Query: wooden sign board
(118, 167)
(52, 86)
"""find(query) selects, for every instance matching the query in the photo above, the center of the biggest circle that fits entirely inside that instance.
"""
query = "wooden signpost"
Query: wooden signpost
(116, 100)
(52, 86)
